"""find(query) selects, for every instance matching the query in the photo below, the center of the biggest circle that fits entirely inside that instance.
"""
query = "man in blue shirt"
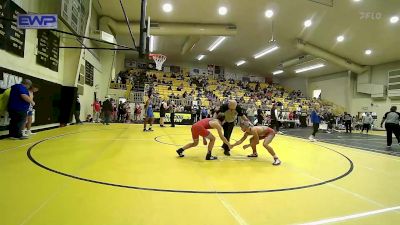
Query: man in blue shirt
(18, 106)
(315, 119)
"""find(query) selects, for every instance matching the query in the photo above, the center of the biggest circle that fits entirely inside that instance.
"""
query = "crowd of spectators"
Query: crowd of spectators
(203, 95)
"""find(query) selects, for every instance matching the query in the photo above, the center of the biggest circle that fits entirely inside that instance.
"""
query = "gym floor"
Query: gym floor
(118, 175)
(375, 141)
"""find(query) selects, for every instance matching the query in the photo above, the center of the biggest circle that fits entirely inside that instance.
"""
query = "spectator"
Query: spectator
(163, 110)
(274, 118)
(96, 110)
(251, 112)
(172, 113)
(77, 111)
(138, 112)
(260, 117)
(120, 113)
(128, 112)
(347, 121)
(18, 105)
(315, 119)
(194, 113)
(204, 112)
(367, 121)
(107, 111)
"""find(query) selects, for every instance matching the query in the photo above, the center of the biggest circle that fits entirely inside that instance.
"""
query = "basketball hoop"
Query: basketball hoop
(159, 59)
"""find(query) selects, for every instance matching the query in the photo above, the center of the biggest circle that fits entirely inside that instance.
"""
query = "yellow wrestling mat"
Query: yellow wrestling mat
(117, 174)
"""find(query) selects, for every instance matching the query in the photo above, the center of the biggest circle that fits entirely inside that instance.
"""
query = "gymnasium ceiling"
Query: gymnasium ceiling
(254, 30)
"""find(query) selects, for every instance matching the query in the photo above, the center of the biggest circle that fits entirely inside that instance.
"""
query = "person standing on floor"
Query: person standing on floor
(107, 110)
(260, 117)
(149, 115)
(138, 112)
(347, 122)
(231, 111)
(77, 111)
(96, 111)
(120, 112)
(367, 121)
(198, 113)
(391, 120)
(172, 107)
(204, 112)
(274, 118)
(18, 106)
(202, 128)
(194, 110)
(163, 111)
(315, 120)
(28, 131)
(128, 112)
(251, 112)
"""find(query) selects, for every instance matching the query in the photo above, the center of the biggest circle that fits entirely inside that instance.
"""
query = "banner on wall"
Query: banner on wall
(180, 118)
(12, 39)
(211, 69)
(48, 49)
(166, 69)
(175, 69)
(219, 70)
(47, 99)
(256, 79)
(246, 79)
(130, 63)
(197, 72)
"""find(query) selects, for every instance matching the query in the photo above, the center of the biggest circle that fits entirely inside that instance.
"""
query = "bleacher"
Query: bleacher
(165, 86)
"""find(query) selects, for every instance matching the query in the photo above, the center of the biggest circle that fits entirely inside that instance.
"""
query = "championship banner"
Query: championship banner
(180, 118)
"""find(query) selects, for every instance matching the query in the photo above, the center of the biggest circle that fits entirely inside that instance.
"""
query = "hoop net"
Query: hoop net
(159, 59)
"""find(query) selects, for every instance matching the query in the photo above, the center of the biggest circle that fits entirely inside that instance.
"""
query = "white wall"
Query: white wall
(104, 68)
(230, 72)
(119, 63)
(341, 88)
(364, 102)
(69, 60)
(27, 65)
(296, 83)
(334, 88)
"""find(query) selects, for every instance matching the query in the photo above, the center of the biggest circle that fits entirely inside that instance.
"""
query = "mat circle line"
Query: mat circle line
(32, 159)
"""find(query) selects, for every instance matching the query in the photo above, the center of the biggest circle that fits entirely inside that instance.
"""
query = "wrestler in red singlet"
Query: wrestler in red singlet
(201, 128)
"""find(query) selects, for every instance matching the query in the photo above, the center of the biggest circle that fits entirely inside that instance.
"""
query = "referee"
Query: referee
(232, 111)
(391, 120)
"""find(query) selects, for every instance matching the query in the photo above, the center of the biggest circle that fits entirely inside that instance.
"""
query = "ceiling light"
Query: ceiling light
(200, 57)
(222, 10)
(266, 51)
(394, 19)
(277, 72)
(368, 52)
(357, 0)
(151, 44)
(216, 43)
(269, 13)
(241, 62)
(307, 23)
(340, 38)
(167, 7)
(313, 67)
